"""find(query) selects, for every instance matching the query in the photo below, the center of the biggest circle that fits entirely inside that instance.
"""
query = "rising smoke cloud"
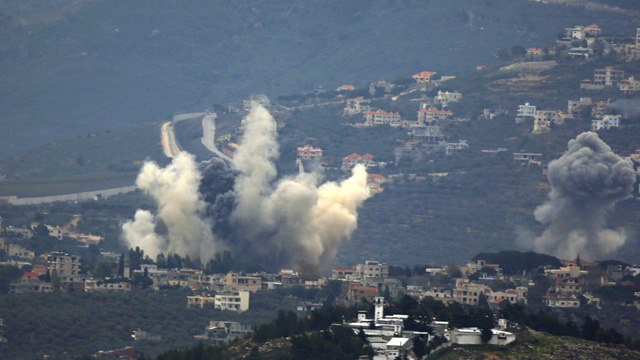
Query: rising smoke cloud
(586, 183)
(259, 218)
(178, 226)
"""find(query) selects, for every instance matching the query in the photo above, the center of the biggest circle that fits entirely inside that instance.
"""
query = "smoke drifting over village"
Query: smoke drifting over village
(586, 183)
(247, 210)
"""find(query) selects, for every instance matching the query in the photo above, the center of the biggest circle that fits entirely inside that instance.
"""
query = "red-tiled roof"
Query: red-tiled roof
(424, 74)
(29, 275)
(592, 26)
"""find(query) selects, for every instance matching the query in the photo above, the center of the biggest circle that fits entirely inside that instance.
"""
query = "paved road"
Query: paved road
(209, 136)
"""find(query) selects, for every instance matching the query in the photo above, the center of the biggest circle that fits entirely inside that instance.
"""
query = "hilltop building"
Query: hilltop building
(423, 77)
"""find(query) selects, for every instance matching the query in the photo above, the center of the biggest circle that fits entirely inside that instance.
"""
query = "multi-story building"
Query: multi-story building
(607, 76)
(235, 282)
(568, 286)
(574, 106)
(237, 301)
(543, 119)
(607, 122)
(66, 266)
(355, 106)
(445, 97)
(200, 300)
(354, 159)
(432, 114)
(357, 293)
(452, 148)
(380, 117)
(525, 111)
(629, 85)
(308, 152)
(372, 270)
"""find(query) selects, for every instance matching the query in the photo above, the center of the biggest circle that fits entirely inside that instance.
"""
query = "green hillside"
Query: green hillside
(69, 68)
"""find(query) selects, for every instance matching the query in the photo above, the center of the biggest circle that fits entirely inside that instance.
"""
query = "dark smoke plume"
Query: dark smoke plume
(586, 183)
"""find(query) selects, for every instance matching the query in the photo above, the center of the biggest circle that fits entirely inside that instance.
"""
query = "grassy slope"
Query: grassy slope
(110, 63)
(91, 162)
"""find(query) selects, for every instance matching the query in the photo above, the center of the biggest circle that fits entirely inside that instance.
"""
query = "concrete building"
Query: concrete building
(525, 111)
(629, 85)
(574, 106)
(237, 302)
(235, 282)
(444, 97)
(380, 117)
(398, 347)
(472, 336)
(200, 300)
(68, 268)
(543, 119)
(491, 113)
(354, 159)
(607, 76)
(432, 114)
(93, 285)
(562, 302)
(423, 77)
(607, 122)
(222, 332)
(372, 271)
(308, 152)
(528, 157)
(355, 106)
(454, 148)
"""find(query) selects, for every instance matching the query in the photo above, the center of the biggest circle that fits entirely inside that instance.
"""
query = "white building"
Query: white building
(397, 347)
(445, 97)
(237, 302)
(526, 110)
(472, 336)
(607, 122)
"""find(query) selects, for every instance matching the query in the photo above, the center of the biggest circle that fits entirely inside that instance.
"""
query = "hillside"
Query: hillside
(75, 67)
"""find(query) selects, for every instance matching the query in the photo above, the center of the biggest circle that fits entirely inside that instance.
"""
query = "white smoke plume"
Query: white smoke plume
(262, 220)
(586, 183)
(180, 207)
(293, 220)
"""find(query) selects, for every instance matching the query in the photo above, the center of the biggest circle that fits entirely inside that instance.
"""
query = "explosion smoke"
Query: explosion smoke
(274, 223)
(180, 210)
(586, 183)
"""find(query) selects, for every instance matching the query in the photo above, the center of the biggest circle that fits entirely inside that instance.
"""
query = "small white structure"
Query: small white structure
(397, 347)
(472, 336)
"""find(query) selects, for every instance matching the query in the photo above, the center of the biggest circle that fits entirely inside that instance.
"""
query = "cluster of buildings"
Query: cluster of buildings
(390, 340)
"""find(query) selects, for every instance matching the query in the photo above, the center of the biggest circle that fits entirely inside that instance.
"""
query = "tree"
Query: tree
(485, 335)
(419, 347)
(56, 281)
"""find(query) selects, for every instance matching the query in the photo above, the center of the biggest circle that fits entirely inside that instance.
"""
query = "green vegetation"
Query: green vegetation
(70, 69)
(38, 324)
